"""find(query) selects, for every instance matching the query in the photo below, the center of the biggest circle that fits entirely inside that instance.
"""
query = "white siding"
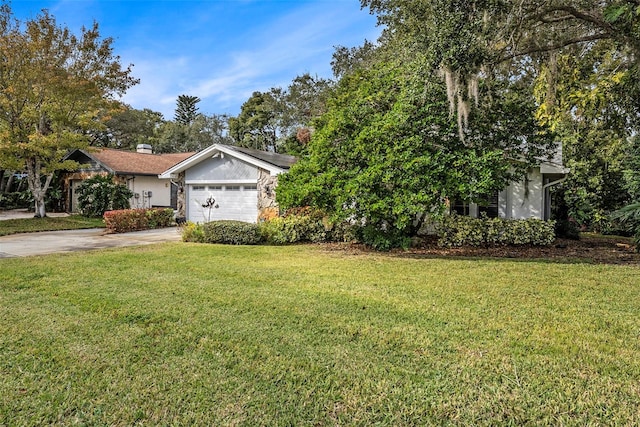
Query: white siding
(522, 200)
(222, 169)
(160, 191)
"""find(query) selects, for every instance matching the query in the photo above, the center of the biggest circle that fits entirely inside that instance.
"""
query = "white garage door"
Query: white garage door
(232, 201)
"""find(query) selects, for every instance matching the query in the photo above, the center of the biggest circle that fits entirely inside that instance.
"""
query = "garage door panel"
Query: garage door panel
(233, 202)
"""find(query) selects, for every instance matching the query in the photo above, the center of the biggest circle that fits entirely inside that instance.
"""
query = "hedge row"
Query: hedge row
(452, 231)
(278, 231)
(455, 231)
(125, 220)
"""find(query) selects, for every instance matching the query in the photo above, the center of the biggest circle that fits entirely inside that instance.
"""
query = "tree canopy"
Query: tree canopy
(457, 98)
(54, 88)
(387, 151)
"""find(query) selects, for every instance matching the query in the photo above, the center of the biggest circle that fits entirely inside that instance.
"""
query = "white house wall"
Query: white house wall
(141, 185)
(522, 199)
(221, 169)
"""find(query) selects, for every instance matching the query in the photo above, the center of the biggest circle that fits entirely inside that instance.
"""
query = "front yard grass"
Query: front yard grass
(30, 225)
(189, 334)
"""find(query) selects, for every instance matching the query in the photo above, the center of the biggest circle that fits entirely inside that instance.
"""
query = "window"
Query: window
(198, 187)
(459, 207)
(250, 187)
(490, 208)
(232, 188)
(215, 188)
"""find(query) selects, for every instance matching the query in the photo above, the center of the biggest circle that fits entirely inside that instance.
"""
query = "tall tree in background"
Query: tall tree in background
(203, 131)
(579, 58)
(186, 109)
(280, 119)
(259, 122)
(53, 86)
(128, 127)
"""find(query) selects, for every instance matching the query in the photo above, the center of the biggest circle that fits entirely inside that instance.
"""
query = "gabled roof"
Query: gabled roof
(273, 162)
(121, 162)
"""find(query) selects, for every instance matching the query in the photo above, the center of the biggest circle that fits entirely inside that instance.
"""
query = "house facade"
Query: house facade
(529, 197)
(224, 182)
(137, 170)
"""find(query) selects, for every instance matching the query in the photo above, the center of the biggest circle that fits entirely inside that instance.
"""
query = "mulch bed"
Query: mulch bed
(590, 249)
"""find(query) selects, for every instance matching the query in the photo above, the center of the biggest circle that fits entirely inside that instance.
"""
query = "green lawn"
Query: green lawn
(188, 334)
(29, 225)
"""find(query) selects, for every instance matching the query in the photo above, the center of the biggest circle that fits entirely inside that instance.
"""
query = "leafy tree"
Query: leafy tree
(346, 60)
(128, 127)
(257, 125)
(203, 131)
(632, 169)
(578, 58)
(53, 84)
(186, 109)
(387, 151)
(101, 193)
(280, 120)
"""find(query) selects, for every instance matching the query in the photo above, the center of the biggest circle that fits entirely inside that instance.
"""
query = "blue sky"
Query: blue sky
(218, 50)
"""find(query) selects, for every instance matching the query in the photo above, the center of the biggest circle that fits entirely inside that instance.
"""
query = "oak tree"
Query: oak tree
(53, 86)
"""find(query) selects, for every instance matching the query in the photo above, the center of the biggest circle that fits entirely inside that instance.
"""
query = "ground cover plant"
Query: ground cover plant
(30, 225)
(199, 334)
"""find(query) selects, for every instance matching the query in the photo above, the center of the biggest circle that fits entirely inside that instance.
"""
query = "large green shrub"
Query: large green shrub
(100, 194)
(231, 233)
(454, 230)
(16, 200)
(293, 229)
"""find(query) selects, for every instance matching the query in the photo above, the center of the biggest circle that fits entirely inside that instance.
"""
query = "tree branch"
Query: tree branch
(557, 46)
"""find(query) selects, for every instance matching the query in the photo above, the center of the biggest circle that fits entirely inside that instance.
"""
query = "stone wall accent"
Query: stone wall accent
(267, 206)
(182, 194)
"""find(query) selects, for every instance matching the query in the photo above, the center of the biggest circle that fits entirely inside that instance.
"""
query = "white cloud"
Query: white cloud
(266, 56)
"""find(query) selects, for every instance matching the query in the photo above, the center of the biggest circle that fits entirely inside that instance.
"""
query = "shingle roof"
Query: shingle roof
(133, 163)
(283, 161)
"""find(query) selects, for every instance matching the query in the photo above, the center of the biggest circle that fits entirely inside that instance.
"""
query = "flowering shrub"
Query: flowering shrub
(192, 232)
(456, 230)
(125, 220)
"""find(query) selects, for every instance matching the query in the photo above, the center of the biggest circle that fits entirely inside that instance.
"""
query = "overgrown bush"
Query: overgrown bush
(231, 233)
(192, 232)
(343, 231)
(454, 231)
(100, 194)
(383, 240)
(293, 229)
(125, 220)
(16, 200)
(307, 224)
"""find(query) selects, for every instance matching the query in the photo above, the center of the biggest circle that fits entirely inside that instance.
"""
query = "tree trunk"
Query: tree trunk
(39, 206)
(7, 187)
(38, 189)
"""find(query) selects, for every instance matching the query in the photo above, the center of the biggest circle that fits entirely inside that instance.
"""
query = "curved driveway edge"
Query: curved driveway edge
(49, 242)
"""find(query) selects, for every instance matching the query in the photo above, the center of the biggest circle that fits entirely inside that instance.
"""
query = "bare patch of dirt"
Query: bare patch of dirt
(589, 249)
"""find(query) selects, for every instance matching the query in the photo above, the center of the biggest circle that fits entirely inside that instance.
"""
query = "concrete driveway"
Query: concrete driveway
(48, 242)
